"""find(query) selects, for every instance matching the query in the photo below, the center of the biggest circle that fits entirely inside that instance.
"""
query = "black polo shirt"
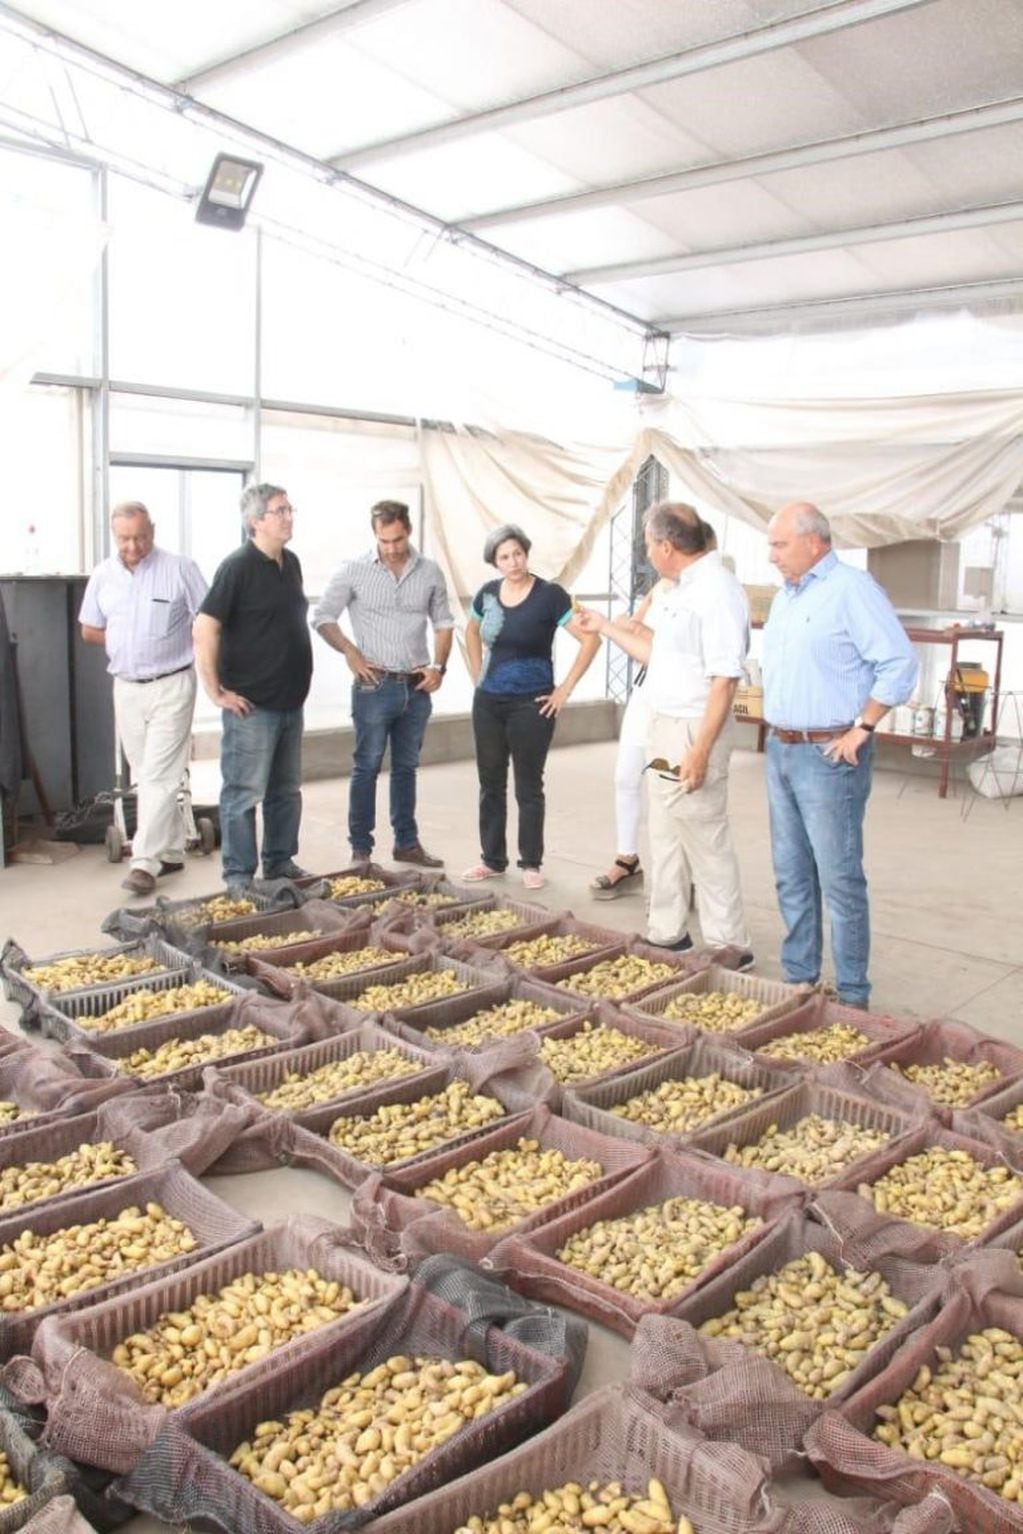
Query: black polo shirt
(265, 650)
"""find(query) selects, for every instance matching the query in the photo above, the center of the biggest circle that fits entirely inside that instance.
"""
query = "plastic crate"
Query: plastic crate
(778, 998)
(20, 988)
(59, 1016)
(685, 964)
(820, 1012)
(455, 1010)
(50, 1141)
(280, 977)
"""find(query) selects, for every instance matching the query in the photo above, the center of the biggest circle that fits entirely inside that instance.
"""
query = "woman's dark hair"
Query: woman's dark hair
(501, 535)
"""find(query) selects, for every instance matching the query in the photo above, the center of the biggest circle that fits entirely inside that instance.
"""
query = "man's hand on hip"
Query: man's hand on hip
(430, 680)
(360, 667)
(234, 703)
(845, 748)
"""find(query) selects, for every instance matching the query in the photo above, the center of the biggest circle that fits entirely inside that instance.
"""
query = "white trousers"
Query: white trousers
(691, 840)
(629, 763)
(154, 723)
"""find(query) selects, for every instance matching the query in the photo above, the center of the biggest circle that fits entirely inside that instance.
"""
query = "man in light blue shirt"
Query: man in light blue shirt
(836, 659)
(140, 604)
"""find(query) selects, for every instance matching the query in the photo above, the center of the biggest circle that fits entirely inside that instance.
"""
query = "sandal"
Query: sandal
(603, 887)
(533, 879)
(481, 871)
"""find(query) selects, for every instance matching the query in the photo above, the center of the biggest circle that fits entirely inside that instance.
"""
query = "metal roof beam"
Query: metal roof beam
(352, 14)
(857, 305)
(996, 115)
(832, 239)
(817, 22)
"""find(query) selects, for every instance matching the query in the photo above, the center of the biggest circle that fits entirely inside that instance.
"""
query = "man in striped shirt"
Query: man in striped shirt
(394, 597)
(836, 659)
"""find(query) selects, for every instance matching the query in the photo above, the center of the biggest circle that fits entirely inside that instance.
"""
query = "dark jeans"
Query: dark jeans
(509, 726)
(260, 762)
(387, 712)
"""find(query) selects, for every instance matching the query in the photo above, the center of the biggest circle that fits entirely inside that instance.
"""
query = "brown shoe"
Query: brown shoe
(417, 854)
(139, 882)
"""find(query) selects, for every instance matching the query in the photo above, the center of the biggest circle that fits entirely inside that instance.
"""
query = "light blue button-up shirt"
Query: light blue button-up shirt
(831, 641)
(146, 613)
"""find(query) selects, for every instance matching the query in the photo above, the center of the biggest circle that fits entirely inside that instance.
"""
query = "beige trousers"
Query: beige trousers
(154, 723)
(691, 841)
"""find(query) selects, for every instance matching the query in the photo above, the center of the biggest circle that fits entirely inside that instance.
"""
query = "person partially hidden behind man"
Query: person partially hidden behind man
(255, 659)
(395, 598)
(836, 659)
(140, 604)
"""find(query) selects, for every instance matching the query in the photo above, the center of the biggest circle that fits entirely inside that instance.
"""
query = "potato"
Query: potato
(537, 952)
(344, 962)
(144, 1006)
(260, 942)
(354, 884)
(416, 990)
(822, 1045)
(574, 1508)
(945, 1189)
(815, 1149)
(494, 1022)
(176, 1054)
(615, 978)
(714, 1011)
(594, 1051)
(363, 1069)
(678, 1106)
(508, 1186)
(398, 1131)
(36, 1180)
(73, 974)
(953, 1083)
(482, 924)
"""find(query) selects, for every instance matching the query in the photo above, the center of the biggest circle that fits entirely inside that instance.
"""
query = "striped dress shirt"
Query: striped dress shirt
(390, 613)
(831, 641)
(146, 613)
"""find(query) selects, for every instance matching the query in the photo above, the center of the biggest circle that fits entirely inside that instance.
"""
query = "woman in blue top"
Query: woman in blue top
(510, 643)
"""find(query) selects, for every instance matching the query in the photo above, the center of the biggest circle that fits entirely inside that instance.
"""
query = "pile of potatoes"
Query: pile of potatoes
(36, 1180)
(345, 962)
(539, 952)
(494, 1022)
(965, 1413)
(210, 913)
(367, 1431)
(10, 1111)
(416, 990)
(367, 1067)
(1013, 1119)
(74, 974)
(426, 900)
(354, 884)
(43, 1270)
(822, 1045)
(509, 1186)
(11, 1490)
(176, 1054)
(714, 1011)
(816, 1323)
(675, 1107)
(399, 1131)
(656, 1252)
(145, 1006)
(187, 1351)
(614, 979)
(260, 942)
(482, 924)
(945, 1189)
(593, 1051)
(814, 1150)
(573, 1508)
(953, 1083)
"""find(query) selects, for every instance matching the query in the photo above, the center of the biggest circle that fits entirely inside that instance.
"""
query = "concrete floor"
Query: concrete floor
(944, 877)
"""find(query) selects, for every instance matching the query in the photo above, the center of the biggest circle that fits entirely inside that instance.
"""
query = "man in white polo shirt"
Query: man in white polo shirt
(141, 603)
(694, 660)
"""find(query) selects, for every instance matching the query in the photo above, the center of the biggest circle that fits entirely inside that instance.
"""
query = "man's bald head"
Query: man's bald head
(799, 536)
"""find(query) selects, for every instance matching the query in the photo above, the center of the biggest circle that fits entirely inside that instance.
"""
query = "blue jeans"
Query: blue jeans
(817, 809)
(387, 712)
(260, 762)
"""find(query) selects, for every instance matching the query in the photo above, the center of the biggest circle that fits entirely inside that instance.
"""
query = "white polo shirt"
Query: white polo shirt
(702, 632)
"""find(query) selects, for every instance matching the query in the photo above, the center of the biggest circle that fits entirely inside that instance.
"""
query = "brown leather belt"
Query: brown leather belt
(807, 737)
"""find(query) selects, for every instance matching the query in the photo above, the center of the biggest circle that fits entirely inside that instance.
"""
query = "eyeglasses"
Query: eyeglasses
(280, 511)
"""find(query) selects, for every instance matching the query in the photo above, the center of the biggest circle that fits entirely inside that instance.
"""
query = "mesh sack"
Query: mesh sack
(842, 1447)
(303, 1140)
(454, 1010)
(299, 1022)
(777, 998)
(612, 1435)
(153, 1130)
(59, 1516)
(987, 1120)
(929, 1243)
(723, 1388)
(530, 1262)
(96, 1413)
(212, 1223)
(592, 1105)
(47, 1087)
(818, 1012)
(786, 1108)
(34, 1473)
(936, 1041)
(420, 1226)
(184, 1475)
(808, 1509)
(19, 987)
(89, 1488)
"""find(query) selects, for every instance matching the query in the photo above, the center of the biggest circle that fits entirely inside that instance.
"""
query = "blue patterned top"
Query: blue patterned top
(519, 641)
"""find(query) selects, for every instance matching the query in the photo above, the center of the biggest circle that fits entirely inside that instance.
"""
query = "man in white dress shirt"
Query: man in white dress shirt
(141, 603)
(694, 660)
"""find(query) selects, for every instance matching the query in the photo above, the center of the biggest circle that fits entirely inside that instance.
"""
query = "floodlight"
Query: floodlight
(228, 192)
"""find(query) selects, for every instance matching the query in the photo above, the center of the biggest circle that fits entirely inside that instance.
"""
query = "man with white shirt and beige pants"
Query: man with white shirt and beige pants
(694, 660)
(140, 603)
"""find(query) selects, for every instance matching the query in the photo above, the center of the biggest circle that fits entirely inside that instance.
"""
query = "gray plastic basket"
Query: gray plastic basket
(19, 987)
(213, 1223)
(59, 1016)
(182, 919)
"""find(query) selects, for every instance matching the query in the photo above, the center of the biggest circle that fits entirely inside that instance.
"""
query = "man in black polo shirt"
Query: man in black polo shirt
(254, 656)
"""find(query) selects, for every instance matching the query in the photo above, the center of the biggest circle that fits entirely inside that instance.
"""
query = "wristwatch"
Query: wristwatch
(859, 723)
(434, 665)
